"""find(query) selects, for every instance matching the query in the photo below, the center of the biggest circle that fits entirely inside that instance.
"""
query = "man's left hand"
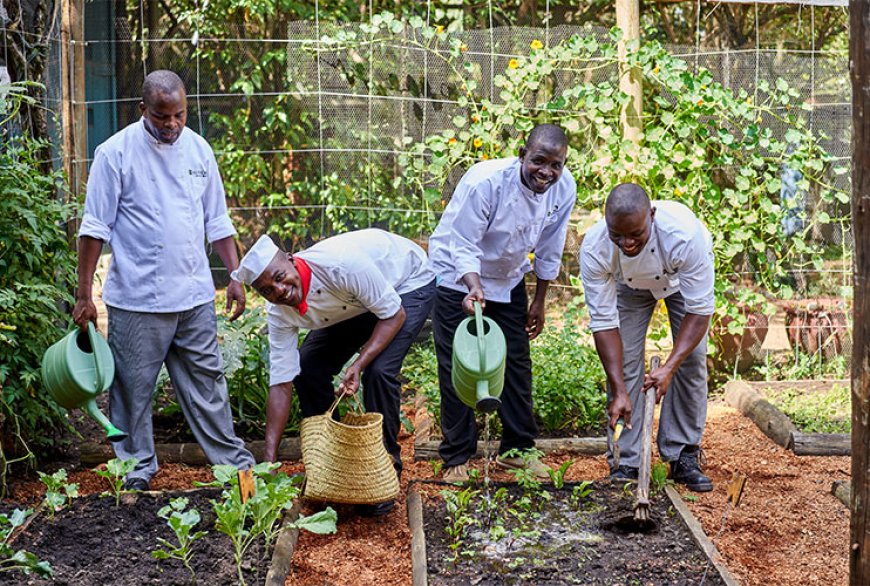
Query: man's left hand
(535, 320)
(660, 379)
(235, 292)
(350, 383)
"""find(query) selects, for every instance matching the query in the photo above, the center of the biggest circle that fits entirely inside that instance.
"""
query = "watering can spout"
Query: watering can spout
(78, 368)
(485, 402)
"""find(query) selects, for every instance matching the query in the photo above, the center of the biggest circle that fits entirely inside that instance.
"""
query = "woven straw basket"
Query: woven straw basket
(346, 462)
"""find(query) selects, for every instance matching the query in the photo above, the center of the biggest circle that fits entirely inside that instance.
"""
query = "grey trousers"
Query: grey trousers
(684, 406)
(187, 342)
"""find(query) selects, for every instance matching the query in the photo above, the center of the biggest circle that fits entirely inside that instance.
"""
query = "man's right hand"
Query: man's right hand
(475, 294)
(84, 311)
(620, 407)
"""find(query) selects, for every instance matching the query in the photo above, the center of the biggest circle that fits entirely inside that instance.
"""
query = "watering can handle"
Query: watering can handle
(478, 321)
(92, 336)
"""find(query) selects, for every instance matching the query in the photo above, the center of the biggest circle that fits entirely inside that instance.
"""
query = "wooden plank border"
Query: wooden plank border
(700, 537)
(285, 545)
(419, 564)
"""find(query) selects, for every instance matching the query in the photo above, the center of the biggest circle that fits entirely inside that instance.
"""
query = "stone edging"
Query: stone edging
(777, 426)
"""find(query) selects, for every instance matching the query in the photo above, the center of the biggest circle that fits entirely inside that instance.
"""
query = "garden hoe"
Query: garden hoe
(641, 508)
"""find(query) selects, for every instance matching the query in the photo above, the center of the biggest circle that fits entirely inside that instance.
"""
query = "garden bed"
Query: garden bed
(567, 540)
(93, 542)
(791, 412)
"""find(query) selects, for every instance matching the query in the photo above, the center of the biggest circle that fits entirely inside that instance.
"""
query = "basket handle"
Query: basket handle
(356, 406)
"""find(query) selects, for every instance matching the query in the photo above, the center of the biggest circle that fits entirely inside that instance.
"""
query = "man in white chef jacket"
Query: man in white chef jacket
(641, 252)
(367, 291)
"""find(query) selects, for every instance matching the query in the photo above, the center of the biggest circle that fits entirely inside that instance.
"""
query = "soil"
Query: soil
(93, 543)
(788, 530)
(593, 541)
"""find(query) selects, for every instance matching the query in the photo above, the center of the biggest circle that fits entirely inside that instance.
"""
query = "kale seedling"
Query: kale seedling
(115, 472)
(58, 492)
(22, 560)
(181, 522)
(558, 476)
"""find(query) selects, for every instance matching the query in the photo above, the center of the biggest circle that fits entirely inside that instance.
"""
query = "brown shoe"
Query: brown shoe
(538, 468)
(456, 474)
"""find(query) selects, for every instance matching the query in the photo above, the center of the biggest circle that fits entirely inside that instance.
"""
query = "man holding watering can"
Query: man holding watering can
(501, 212)
(367, 291)
(155, 195)
(642, 252)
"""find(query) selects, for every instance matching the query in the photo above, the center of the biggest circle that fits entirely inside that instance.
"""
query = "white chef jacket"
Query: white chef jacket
(156, 204)
(493, 222)
(677, 257)
(366, 270)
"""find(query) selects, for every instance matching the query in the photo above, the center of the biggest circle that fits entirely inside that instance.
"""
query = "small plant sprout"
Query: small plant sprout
(558, 476)
(458, 517)
(181, 522)
(659, 477)
(244, 522)
(58, 492)
(24, 561)
(114, 473)
(437, 465)
(581, 492)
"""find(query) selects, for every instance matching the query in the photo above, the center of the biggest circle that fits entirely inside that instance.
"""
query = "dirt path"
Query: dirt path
(789, 530)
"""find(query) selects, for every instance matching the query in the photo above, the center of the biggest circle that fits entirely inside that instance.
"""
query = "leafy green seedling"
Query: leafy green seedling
(115, 472)
(659, 477)
(58, 492)
(437, 465)
(558, 476)
(581, 492)
(22, 560)
(690, 497)
(458, 517)
(181, 522)
(259, 515)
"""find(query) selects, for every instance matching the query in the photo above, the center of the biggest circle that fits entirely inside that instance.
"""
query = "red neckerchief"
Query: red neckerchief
(305, 277)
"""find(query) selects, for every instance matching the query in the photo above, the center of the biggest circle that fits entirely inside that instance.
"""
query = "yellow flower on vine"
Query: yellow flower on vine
(484, 157)
(656, 69)
(452, 140)
(513, 63)
(536, 44)
(439, 29)
(478, 143)
(678, 192)
(463, 48)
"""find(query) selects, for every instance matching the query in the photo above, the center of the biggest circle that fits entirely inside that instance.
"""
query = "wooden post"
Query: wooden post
(628, 20)
(74, 109)
(859, 51)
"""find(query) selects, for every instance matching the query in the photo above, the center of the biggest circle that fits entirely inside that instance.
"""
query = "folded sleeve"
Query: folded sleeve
(599, 286)
(102, 199)
(218, 224)
(283, 352)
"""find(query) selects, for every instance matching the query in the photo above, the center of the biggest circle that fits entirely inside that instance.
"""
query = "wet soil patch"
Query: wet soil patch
(93, 543)
(590, 541)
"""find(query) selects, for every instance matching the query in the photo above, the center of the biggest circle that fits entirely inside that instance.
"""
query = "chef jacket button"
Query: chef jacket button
(665, 289)
(657, 277)
(653, 250)
(318, 291)
(629, 279)
(344, 306)
(326, 319)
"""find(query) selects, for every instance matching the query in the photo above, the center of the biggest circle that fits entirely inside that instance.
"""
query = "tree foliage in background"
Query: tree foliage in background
(37, 270)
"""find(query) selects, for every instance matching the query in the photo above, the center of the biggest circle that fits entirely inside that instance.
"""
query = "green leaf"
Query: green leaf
(323, 522)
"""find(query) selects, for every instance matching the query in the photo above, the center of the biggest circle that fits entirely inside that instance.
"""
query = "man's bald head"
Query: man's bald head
(161, 82)
(626, 199)
(547, 134)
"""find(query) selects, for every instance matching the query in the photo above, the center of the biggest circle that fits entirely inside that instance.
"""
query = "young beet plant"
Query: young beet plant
(21, 560)
(58, 492)
(114, 473)
(244, 522)
(181, 522)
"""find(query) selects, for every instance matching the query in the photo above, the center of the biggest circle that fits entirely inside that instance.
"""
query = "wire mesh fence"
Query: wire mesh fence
(311, 138)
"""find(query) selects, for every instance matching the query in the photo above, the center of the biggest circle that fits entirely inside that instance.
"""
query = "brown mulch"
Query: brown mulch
(788, 530)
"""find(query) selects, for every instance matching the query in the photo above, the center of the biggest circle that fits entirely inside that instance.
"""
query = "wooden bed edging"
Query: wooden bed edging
(419, 565)
(777, 426)
(700, 537)
(282, 555)
(93, 454)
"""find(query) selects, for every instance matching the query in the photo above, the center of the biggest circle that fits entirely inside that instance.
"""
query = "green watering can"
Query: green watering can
(77, 369)
(479, 352)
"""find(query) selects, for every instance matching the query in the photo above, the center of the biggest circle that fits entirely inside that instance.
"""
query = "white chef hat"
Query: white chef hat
(256, 260)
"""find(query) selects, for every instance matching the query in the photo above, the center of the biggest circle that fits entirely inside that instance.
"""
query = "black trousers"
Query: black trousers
(325, 351)
(458, 425)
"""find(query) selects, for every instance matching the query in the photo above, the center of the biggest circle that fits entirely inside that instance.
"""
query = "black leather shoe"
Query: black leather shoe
(136, 484)
(624, 474)
(687, 470)
(377, 510)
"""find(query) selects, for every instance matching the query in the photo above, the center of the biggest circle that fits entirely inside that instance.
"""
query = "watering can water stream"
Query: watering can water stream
(76, 369)
(479, 353)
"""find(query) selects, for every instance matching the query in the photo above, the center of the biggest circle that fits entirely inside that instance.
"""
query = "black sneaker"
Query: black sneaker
(624, 474)
(136, 483)
(378, 510)
(687, 470)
